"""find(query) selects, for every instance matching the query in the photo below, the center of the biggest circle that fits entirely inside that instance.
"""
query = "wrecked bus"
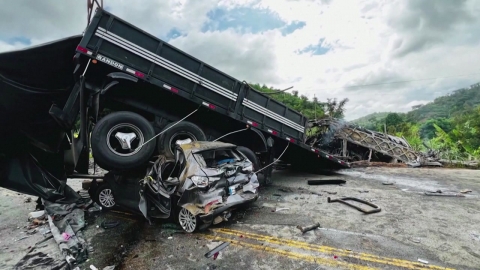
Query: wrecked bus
(122, 96)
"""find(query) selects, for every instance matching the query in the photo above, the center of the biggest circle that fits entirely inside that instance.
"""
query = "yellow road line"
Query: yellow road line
(293, 255)
(331, 250)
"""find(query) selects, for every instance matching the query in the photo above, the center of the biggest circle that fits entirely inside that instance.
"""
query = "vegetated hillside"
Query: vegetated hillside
(370, 120)
(447, 106)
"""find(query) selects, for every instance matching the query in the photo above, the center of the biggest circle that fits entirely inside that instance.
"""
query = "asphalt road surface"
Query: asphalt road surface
(412, 231)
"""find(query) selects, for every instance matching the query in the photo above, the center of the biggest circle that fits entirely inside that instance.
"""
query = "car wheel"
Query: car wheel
(251, 156)
(117, 141)
(181, 131)
(105, 197)
(189, 222)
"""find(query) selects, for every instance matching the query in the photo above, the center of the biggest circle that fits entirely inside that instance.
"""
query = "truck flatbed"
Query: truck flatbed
(121, 45)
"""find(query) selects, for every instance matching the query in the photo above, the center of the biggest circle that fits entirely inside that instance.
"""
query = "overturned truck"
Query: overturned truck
(353, 143)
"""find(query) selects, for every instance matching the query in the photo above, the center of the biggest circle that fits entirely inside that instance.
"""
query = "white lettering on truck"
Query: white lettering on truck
(109, 61)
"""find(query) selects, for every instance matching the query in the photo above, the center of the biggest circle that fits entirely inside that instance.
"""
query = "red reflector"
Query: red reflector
(330, 157)
(175, 90)
(81, 49)
(316, 151)
(291, 140)
(139, 74)
(274, 132)
(255, 124)
(211, 106)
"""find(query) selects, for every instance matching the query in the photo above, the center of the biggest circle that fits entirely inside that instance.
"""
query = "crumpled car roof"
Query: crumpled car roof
(192, 167)
(198, 146)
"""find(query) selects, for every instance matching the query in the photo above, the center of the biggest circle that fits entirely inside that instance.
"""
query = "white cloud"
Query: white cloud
(4, 46)
(253, 61)
(369, 42)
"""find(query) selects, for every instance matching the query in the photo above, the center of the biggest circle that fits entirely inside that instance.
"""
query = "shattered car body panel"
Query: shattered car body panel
(215, 178)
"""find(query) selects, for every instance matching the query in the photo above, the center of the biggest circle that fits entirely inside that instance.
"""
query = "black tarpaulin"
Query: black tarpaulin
(31, 80)
(25, 174)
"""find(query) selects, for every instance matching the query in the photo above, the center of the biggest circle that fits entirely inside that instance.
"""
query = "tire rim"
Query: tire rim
(125, 139)
(187, 220)
(182, 135)
(106, 198)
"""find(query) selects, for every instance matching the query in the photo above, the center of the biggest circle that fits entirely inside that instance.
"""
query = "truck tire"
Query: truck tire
(181, 131)
(107, 149)
(251, 156)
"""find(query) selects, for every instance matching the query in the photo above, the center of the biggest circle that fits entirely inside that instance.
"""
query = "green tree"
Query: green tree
(334, 108)
(427, 129)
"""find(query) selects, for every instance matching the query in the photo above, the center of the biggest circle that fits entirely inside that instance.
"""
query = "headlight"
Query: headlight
(203, 181)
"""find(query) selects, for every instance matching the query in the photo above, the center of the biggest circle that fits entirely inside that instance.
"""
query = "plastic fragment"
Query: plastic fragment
(308, 228)
(215, 251)
(36, 214)
(66, 236)
(423, 261)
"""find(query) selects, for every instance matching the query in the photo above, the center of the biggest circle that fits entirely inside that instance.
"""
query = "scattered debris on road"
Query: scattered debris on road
(285, 189)
(423, 261)
(280, 209)
(464, 191)
(21, 238)
(475, 236)
(311, 192)
(326, 182)
(441, 194)
(36, 215)
(388, 183)
(345, 199)
(308, 228)
(109, 224)
(216, 250)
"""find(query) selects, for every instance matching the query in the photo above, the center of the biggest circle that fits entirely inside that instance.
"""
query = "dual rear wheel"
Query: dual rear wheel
(123, 140)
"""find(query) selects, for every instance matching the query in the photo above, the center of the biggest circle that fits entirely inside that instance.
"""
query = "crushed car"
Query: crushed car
(201, 186)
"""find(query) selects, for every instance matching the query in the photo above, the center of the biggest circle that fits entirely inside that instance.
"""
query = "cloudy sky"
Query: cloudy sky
(384, 55)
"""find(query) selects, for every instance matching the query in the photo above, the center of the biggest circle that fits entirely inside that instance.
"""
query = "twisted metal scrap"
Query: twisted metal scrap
(386, 144)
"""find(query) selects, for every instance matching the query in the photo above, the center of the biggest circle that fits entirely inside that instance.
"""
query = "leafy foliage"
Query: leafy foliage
(311, 109)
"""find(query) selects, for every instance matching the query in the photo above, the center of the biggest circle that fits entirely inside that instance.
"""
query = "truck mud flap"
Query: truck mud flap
(66, 117)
